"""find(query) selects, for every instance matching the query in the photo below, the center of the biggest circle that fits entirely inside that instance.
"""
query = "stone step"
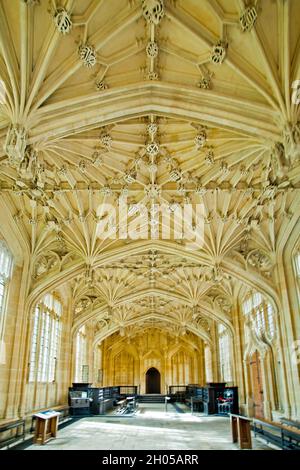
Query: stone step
(151, 398)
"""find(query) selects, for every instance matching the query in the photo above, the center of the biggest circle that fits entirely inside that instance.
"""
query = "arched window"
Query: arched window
(208, 363)
(5, 274)
(81, 367)
(45, 340)
(261, 313)
(224, 354)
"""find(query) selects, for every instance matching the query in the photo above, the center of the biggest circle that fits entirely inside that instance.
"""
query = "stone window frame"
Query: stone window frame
(262, 314)
(6, 268)
(80, 353)
(225, 353)
(45, 339)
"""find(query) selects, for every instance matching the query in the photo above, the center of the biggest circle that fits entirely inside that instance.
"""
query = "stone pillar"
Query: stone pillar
(215, 354)
(16, 339)
(238, 352)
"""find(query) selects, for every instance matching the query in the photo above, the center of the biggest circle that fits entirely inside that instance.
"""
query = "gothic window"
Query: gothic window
(81, 368)
(208, 364)
(45, 340)
(224, 354)
(5, 274)
(261, 313)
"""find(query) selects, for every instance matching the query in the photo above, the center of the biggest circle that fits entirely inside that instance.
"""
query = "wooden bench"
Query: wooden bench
(128, 405)
(277, 434)
(8, 425)
(241, 431)
(290, 423)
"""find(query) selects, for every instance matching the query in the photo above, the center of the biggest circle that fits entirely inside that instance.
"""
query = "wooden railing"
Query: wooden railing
(10, 425)
(277, 434)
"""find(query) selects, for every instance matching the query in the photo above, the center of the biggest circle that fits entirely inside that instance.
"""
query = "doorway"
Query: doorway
(152, 381)
(257, 386)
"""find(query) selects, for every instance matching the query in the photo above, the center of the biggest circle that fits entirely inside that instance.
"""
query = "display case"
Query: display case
(227, 401)
(80, 398)
(177, 393)
(219, 399)
(103, 399)
(194, 397)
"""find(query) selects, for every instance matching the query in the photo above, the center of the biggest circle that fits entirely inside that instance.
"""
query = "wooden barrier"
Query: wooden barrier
(9, 425)
(277, 434)
(241, 431)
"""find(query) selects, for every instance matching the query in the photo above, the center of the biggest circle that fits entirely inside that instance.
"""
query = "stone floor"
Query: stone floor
(151, 428)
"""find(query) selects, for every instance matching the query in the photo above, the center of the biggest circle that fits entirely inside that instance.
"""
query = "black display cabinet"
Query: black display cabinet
(80, 399)
(219, 399)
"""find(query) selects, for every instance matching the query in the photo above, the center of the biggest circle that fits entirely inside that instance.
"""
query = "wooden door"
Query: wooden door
(152, 381)
(257, 386)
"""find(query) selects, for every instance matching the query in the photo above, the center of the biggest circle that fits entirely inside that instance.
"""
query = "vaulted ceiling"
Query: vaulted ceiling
(156, 102)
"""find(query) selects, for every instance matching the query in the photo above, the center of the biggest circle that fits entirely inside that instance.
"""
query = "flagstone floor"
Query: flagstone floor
(151, 428)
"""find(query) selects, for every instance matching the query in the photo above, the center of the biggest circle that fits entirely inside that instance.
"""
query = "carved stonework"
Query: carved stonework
(292, 142)
(219, 52)
(202, 322)
(28, 167)
(152, 76)
(130, 177)
(62, 21)
(201, 190)
(153, 10)
(205, 83)
(152, 149)
(101, 324)
(248, 18)
(152, 129)
(175, 175)
(224, 168)
(244, 171)
(210, 157)
(106, 140)
(87, 55)
(44, 264)
(97, 159)
(152, 49)
(82, 166)
(224, 304)
(101, 85)
(152, 191)
(279, 163)
(200, 139)
(259, 260)
(15, 144)
(217, 274)
(106, 190)
(82, 305)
